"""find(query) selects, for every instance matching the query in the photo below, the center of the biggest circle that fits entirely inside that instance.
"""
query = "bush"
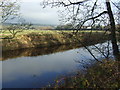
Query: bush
(101, 75)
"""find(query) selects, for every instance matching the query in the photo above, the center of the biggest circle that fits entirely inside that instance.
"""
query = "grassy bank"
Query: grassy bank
(35, 38)
(101, 75)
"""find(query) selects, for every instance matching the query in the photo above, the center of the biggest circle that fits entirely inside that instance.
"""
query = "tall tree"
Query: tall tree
(113, 28)
(89, 12)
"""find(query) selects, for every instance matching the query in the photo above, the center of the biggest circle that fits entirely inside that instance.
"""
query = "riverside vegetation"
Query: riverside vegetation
(104, 75)
(39, 38)
(99, 75)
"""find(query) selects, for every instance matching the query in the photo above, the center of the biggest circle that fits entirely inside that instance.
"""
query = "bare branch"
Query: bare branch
(115, 5)
(104, 12)
(63, 3)
(73, 3)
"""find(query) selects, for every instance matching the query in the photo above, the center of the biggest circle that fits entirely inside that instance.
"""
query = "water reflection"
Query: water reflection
(44, 67)
(35, 72)
(36, 51)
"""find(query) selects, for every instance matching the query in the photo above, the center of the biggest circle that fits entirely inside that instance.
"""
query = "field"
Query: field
(6, 32)
(43, 38)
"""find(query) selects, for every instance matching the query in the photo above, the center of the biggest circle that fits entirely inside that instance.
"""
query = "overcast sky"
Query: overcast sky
(34, 13)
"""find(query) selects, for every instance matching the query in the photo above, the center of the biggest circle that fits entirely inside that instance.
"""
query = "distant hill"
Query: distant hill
(30, 23)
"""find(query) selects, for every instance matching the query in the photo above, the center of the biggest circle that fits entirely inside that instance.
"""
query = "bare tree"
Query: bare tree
(112, 29)
(117, 13)
(88, 12)
(9, 10)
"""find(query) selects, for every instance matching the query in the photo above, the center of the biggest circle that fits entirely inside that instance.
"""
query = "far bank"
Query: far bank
(35, 38)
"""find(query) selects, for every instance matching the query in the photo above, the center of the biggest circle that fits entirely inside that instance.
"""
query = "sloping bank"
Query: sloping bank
(50, 39)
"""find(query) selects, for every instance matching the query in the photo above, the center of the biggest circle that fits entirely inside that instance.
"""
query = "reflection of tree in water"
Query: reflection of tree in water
(98, 50)
(36, 51)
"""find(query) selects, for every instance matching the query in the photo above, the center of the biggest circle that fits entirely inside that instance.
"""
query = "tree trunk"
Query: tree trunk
(112, 29)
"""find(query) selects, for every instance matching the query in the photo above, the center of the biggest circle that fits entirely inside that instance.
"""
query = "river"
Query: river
(39, 67)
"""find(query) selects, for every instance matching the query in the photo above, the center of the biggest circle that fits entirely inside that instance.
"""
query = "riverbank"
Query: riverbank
(29, 39)
(37, 51)
(99, 75)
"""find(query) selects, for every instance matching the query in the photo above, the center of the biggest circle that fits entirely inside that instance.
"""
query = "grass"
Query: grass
(24, 32)
(45, 38)
(7, 33)
(100, 75)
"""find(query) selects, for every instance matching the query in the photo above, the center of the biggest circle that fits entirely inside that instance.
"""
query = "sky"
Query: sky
(33, 12)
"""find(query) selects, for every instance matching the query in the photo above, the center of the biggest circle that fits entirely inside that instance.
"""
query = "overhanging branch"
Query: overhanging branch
(79, 26)
(73, 3)
(92, 18)
(104, 12)
(63, 3)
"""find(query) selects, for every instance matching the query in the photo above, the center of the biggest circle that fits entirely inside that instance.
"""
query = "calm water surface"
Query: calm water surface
(36, 68)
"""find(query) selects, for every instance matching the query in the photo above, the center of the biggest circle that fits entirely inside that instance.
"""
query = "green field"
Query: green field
(42, 32)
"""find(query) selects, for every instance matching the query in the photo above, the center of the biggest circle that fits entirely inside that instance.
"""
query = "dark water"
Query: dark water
(36, 68)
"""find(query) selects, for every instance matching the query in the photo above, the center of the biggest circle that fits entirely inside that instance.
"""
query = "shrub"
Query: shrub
(100, 75)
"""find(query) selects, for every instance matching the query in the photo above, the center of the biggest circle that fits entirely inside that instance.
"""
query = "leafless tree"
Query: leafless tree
(88, 12)
(10, 12)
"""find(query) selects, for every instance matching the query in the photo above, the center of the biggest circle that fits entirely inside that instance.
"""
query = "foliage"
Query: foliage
(101, 75)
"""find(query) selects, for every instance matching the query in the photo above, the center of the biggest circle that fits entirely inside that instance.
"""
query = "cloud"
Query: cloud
(30, 0)
(33, 12)
(42, 18)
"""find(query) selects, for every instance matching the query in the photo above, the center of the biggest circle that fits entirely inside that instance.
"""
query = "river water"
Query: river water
(37, 67)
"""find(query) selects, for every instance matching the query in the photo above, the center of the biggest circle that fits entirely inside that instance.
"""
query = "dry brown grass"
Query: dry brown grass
(49, 38)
